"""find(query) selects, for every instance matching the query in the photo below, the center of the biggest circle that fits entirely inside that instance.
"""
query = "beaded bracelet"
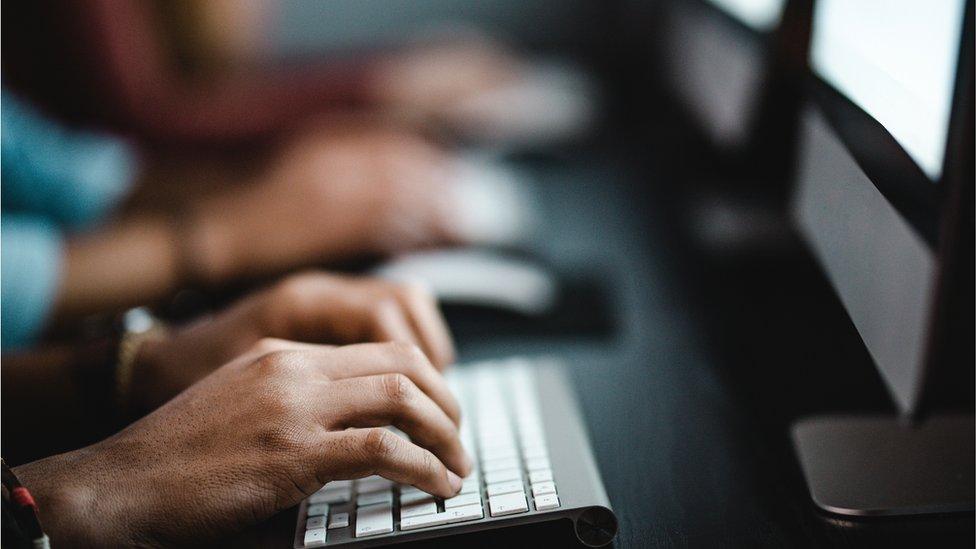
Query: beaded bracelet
(24, 508)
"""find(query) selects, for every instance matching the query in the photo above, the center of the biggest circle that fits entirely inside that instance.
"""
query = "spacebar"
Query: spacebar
(457, 514)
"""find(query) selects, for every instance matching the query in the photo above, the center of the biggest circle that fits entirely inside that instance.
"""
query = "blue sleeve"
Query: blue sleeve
(30, 268)
(71, 176)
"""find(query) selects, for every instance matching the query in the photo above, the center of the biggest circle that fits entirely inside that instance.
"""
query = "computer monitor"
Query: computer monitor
(734, 66)
(885, 169)
(871, 193)
(732, 74)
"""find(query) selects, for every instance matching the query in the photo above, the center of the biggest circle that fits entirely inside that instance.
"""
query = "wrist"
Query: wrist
(71, 512)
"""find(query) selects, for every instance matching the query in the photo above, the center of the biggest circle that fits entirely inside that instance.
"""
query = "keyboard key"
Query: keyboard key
(532, 439)
(497, 464)
(374, 520)
(488, 454)
(546, 502)
(493, 436)
(373, 498)
(543, 488)
(508, 504)
(339, 520)
(541, 475)
(504, 487)
(315, 522)
(415, 497)
(423, 521)
(373, 483)
(464, 513)
(462, 500)
(503, 476)
(319, 509)
(315, 537)
(450, 516)
(333, 496)
(534, 452)
(498, 448)
(534, 464)
(470, 484)
(418, 509)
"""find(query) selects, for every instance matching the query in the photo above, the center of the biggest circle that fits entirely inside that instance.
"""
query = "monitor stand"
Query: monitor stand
(887, 466)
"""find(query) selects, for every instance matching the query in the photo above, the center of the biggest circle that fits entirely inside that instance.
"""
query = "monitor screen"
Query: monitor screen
(896, 60)
(761, 15)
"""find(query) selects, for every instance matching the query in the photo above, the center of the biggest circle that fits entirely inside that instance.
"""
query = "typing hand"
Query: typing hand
(255, 437)
(330, 195)
(310, 307)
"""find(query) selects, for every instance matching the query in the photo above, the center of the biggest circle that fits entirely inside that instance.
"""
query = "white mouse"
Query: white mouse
(493, 203)
(477, 277)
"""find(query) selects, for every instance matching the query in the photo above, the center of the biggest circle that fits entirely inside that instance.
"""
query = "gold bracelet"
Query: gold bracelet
(139, 326)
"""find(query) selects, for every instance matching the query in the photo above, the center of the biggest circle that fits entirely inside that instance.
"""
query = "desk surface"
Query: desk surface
(690, 454)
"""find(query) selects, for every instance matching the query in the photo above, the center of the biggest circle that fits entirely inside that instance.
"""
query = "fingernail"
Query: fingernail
(468, 463)
(455, 481)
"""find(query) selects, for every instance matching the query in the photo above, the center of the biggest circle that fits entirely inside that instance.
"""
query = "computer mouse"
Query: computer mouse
(478, 277)
(494, 202)
(488, 293)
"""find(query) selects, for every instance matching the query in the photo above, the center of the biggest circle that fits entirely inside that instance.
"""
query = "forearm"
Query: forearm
(148, 256)
(78, 498)
(123, 264)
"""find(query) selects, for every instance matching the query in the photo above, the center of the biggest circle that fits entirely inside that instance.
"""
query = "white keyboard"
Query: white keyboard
(501, 425)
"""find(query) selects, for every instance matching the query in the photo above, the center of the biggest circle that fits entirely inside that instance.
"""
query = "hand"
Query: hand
(330, 195)
(256, 437)
(475, 90)
(428, 81)
(311, 307)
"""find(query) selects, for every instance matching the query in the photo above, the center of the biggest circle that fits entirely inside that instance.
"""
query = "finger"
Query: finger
(428, 323)
(392, 399)
(318, 307)
(389, 323)
(367, 359)
(357, 453)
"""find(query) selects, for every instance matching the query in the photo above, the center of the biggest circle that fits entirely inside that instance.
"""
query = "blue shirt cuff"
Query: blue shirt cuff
(30, 270)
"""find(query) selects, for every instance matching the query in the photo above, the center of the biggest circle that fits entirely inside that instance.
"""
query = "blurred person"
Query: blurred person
(325, 196)
(190, 73)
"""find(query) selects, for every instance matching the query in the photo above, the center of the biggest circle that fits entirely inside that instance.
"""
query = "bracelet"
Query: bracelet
(24, 508)
(138, 326)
